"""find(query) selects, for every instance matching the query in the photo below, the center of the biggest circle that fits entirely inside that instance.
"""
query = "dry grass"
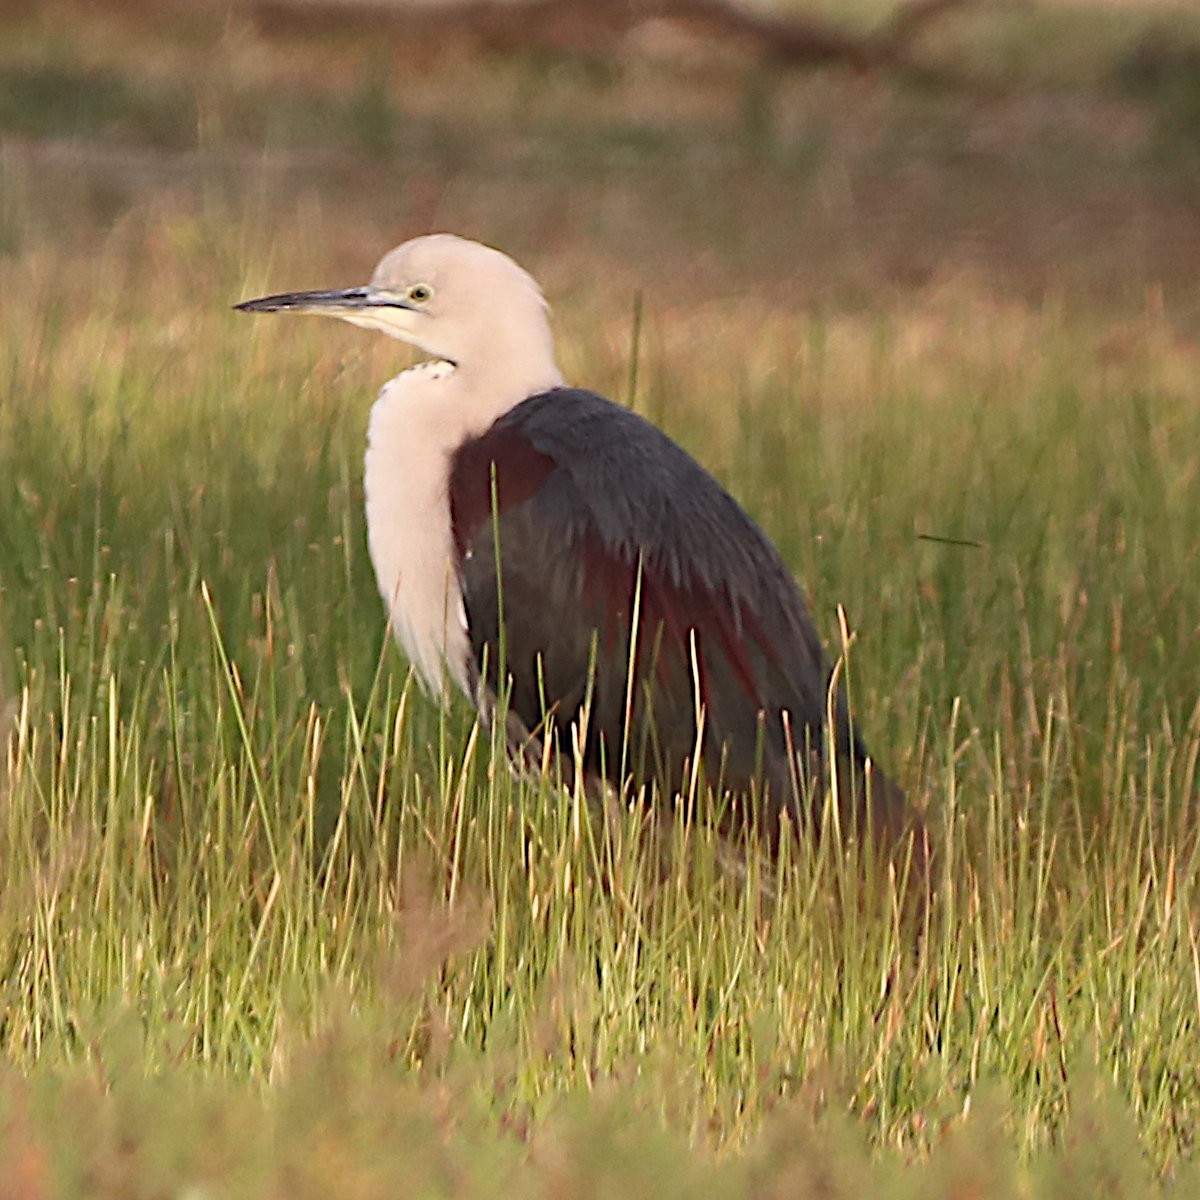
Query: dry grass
(256, 887)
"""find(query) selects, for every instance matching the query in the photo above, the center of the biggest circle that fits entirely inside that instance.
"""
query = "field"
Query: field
(272, 925)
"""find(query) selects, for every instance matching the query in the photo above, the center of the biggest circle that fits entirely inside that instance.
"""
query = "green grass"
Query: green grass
(271, 924)
(236, 837)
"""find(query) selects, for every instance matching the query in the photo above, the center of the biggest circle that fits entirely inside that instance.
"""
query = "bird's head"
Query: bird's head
(453, 298)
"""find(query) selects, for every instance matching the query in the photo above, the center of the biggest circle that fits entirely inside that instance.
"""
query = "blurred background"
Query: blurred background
(848, 153)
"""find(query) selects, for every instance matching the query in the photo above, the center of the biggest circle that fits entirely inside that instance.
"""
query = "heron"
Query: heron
(555, 556)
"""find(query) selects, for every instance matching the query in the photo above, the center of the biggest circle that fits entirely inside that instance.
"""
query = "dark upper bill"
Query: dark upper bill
(346, 298)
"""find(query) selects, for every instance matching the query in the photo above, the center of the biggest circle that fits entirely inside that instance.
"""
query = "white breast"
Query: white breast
(409, 443)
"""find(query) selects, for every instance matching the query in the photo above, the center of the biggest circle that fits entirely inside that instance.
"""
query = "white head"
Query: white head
(453, 298)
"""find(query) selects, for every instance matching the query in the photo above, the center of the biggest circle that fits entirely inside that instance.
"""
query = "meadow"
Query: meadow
(273, 925)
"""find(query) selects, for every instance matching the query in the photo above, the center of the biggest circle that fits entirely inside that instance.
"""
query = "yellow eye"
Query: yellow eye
(419, 293)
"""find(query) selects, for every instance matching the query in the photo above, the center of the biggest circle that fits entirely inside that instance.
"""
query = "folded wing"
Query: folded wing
(639, 604)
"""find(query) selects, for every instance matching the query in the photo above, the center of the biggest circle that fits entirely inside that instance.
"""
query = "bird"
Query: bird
(566, 565)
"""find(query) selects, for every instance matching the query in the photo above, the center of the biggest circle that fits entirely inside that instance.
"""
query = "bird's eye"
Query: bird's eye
(419, 293)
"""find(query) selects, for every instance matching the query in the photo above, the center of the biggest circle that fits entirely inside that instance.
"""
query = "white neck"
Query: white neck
(421, 417)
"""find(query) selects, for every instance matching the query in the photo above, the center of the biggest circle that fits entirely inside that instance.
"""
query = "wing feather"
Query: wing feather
(601, 518)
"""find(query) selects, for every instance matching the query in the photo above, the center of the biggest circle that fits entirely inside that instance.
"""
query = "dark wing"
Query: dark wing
(638, 601)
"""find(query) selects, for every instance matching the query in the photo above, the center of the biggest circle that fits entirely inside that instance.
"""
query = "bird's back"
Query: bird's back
(638, 598)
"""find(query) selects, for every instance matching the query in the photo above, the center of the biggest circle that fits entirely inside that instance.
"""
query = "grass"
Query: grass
(271, 924)
(230, 817)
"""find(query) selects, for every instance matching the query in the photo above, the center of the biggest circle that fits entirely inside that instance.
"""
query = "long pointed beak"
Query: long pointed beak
(332, 304)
